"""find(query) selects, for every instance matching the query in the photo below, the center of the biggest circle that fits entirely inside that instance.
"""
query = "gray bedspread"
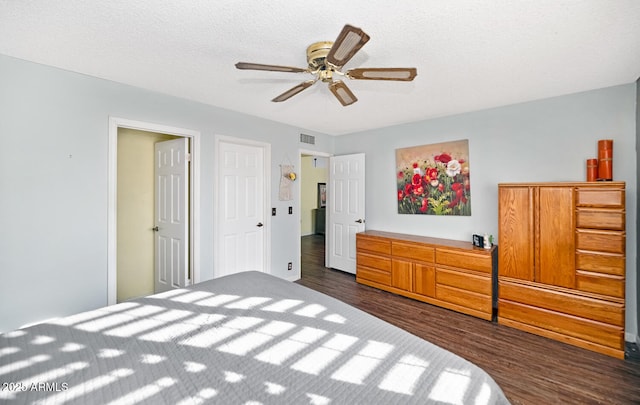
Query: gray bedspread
(248, 338)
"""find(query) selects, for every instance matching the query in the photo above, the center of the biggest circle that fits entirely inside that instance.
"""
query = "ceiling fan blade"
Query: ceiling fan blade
(350, 40)
(271, 68)
(293, 91)
(398, 74)
(342, 93)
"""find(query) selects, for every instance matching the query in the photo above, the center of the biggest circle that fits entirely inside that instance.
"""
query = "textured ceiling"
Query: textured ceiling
(470, 54)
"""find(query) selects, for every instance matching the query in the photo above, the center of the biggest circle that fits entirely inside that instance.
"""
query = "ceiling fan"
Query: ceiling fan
(326, 58)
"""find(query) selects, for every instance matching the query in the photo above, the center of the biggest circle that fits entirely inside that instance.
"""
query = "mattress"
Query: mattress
(247, 338)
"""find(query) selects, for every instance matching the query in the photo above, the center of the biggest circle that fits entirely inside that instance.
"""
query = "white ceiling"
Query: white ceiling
(470, 54)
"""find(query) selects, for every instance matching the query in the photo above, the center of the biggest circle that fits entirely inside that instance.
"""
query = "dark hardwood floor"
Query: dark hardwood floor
(529, 368)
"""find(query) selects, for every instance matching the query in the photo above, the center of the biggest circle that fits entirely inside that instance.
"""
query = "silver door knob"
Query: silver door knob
(259, 225)
(155, 229)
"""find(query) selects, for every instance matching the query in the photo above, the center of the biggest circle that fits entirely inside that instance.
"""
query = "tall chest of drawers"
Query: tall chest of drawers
(562, 262)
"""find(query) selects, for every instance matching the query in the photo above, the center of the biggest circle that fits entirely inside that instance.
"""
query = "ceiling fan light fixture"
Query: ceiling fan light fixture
(342, 93)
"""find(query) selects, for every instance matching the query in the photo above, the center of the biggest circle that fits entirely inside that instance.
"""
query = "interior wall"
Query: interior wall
(135, 211)
(314, 171)
(545, 140)
(54, 127)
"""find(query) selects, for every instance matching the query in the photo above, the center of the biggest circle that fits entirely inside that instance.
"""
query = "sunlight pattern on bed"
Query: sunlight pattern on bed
(240, 339)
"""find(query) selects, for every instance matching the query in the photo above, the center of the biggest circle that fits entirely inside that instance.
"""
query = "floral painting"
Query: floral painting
(434, 179)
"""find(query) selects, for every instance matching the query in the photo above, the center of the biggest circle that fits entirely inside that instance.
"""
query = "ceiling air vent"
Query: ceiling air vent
(304, 138)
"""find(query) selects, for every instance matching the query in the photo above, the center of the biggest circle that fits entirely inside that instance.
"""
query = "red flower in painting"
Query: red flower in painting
(400, 195)
(432, 174)
(400, 174)
(416, 180)
(458, 188)
(407, 188)
(424, 206)
(443, 158)
(415, 165)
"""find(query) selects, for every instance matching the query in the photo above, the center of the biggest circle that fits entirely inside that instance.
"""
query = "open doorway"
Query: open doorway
(131, 152)
(136, 213)
(314, 174)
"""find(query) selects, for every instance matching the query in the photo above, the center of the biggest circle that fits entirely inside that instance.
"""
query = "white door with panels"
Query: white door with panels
(346, 210)
(171, 214)
(241, 192)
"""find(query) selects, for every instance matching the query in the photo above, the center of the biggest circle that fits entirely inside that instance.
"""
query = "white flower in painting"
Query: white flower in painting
(453, 168)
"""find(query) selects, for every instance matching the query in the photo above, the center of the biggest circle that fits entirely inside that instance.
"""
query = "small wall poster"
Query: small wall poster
(434, 179)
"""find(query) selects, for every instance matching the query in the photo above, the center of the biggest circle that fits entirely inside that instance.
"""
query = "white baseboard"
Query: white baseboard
(630, 337)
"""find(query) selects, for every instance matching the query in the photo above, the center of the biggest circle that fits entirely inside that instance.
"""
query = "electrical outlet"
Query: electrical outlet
(273, 212)
(290, 210)
(290, 266)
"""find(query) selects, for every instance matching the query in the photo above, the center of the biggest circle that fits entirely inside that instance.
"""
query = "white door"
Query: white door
(241, 193)
(171, 214)
(346, 209)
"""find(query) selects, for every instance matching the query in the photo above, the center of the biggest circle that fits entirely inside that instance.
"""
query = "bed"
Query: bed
(248, 338)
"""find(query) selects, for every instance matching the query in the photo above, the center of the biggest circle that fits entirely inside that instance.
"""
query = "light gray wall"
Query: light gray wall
(53, 183)
(546, 140)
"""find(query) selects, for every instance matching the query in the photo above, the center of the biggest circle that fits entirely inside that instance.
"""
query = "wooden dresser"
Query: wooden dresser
(561, 264)
(448, 273)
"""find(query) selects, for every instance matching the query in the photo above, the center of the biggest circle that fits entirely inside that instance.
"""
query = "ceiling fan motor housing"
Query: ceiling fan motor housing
(317, 55)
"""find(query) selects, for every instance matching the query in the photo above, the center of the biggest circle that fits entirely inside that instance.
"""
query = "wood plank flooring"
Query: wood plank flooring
(529, 368)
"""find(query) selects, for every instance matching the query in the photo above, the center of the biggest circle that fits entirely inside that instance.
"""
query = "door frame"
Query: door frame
(217, 190)
(112, 218)
(327, 210)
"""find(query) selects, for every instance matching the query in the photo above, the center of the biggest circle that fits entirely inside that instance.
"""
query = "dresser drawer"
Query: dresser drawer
(375, 275)
(600, 218)
(600, 262)
(464, 260)
(373, 261)
(600, 240)
(376, 245)
(558, 322)
(599, 197)
(597, 283)
(413, 251)
(464, 298)
(570, 304)
(466, 281)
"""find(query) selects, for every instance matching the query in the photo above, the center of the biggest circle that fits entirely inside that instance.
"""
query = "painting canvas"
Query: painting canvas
(434, 179)
(322, 195)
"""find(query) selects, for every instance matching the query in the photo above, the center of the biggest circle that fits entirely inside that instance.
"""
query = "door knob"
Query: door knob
(259, 225)
(155, 229)
(360, 221)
